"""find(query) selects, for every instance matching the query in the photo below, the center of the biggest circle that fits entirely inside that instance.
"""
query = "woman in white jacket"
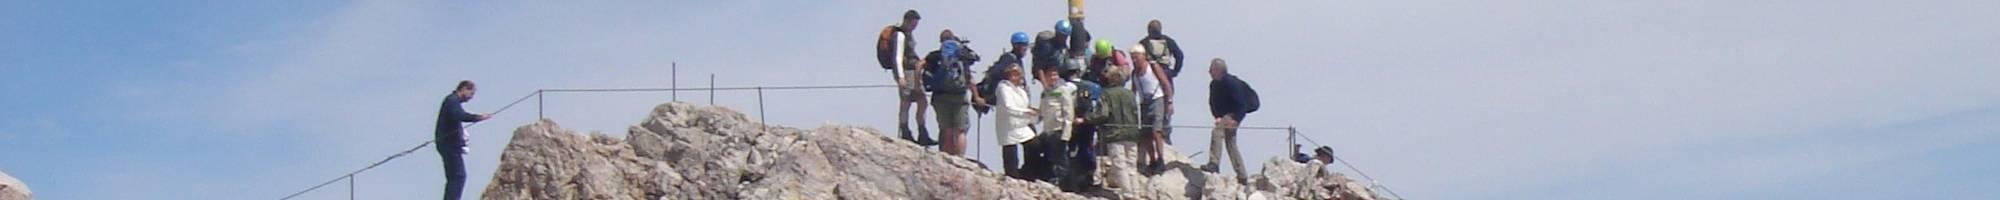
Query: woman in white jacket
(1014, 114)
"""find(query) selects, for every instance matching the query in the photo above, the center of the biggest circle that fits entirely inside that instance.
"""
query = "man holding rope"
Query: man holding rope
(450, 137)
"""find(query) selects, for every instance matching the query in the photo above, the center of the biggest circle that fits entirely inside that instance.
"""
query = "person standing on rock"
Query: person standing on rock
(895, 49)
(1149, 80)
(1014, 116)
(450, 137)
(1114, 116)
(1229, 100)
(1047, 159)
(950, 82)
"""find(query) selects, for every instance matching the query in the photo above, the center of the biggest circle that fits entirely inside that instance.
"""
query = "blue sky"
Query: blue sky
(1440, 99)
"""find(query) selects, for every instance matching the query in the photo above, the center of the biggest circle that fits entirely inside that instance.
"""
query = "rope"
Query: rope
(350, 175)
(716, 88)
(1350, 166)
(1200, 127)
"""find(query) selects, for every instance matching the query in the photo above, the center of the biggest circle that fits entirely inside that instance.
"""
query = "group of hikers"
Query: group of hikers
(1093, 97)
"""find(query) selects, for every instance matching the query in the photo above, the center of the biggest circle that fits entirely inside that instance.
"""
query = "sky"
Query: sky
(1437, 99)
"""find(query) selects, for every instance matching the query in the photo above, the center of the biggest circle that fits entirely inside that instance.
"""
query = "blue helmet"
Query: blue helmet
(1021, 38)
(1062, 26)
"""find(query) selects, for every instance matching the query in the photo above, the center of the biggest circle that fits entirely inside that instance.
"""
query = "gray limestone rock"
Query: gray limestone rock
(683, 151)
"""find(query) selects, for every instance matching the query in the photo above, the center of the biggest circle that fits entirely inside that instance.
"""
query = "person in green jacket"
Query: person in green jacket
(1114, 117)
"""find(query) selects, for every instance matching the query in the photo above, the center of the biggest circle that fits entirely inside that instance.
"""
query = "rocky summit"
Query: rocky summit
(13, 189)
(684, 151)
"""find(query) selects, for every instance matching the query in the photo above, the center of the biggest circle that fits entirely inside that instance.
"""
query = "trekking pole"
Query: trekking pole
(981, 150)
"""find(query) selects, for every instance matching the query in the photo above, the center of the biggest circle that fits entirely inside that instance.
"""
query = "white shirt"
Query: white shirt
(1013, 114)
(1146, 86)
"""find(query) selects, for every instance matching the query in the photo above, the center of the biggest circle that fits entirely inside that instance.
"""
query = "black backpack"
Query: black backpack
(990, 82)
(1250, 95)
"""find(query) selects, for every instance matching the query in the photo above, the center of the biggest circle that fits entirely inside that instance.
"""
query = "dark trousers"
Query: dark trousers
(454, 171)
(1010, 160)
(1083, 158)
(1043, 157)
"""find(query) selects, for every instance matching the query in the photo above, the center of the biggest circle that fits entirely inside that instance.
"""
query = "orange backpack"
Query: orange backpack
(885, 47)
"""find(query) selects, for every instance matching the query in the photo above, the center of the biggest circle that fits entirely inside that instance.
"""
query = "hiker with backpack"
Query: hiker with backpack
(1082, 140)
(1058, 111)
(450, 136)
(1166, 53)
(895, 49)
(1114, 115)
(1162, 49)
(1013, 119)
(1151, 84)
(1097, 63)
(994, 77)
(949, 78)
(1047, 52)
(1229, 100)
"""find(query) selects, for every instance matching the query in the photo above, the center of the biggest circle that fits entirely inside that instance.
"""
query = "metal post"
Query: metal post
(350, 187)
(676, 73)
(1292, 137)
(981, 150)
(539, 104)
(711, 89)
(761, 118)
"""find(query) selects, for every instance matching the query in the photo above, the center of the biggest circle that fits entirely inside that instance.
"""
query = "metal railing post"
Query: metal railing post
(1292, 137)
(676, 85)
(761, 117)
(711, 89)
(540, 105)
(350, 187)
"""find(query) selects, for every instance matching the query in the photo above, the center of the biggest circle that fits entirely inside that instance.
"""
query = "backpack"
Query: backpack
(1250, 95)
(887, 47)
(1048, 53)
(1087, 94)
(990, 82)
(1156, 51)
(946, 73)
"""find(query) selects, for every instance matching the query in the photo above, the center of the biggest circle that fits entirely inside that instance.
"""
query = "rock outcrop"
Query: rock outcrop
(14, 189)
(684, 151)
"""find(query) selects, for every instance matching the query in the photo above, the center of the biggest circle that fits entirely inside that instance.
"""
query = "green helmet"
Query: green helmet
(1103, 48)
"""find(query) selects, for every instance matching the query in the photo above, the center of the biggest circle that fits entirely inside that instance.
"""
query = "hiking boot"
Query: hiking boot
(924, 137)
(906, 134)
(1211, 168)
(1156, 167)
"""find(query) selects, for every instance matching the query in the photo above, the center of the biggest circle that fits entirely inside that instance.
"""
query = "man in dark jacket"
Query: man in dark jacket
(450, 137)
(1228, 101)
